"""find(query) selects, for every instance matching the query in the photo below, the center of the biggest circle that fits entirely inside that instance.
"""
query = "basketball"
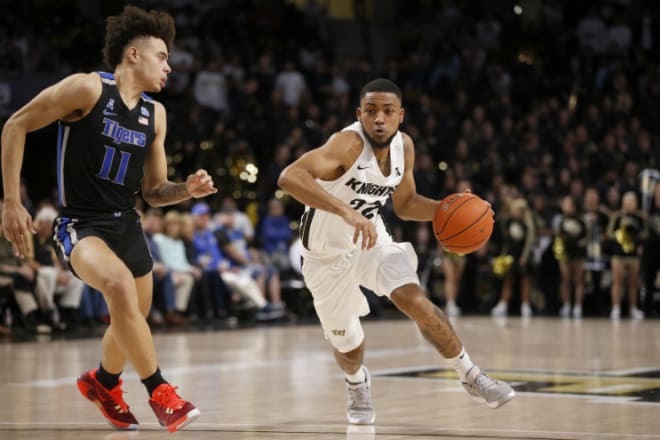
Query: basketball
(463, 223)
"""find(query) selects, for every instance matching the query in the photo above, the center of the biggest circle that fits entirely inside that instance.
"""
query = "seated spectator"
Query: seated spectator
(241, 220)
(173, 255)
(23, 278)
(53, 277)
(233, 243)
(211, 298)
(212, 259)
(6, 289)
(165, 289)
(275, 235)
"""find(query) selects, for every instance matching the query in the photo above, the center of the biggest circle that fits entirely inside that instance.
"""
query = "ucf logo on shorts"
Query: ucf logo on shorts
(338, 332)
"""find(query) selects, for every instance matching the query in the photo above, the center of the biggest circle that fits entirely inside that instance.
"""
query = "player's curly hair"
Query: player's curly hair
(134, 22)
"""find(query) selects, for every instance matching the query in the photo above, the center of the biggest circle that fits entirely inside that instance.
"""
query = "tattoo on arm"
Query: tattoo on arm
(439, 332)
(169, 193)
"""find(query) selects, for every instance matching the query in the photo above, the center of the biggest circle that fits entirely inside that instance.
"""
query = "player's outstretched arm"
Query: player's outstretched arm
(156, 189)
(328, 162)
(408, 205)
(70, 99)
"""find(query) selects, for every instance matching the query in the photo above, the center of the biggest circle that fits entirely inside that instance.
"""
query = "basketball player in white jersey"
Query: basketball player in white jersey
(344, 183)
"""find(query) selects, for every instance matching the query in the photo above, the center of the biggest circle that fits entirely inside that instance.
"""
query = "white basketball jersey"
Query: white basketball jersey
(365, 189)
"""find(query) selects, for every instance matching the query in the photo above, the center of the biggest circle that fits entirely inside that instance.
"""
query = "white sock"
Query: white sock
(358, 377)
(461, 363)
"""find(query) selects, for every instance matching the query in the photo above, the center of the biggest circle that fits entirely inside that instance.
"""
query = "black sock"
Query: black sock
(108, 380)
(153, 381)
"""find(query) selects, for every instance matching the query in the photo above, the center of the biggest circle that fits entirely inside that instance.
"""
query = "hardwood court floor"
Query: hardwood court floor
(590, 379)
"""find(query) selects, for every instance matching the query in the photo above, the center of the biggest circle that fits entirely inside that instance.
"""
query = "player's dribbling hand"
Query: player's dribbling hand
(17, 227)
(363, 227)
(200, 184)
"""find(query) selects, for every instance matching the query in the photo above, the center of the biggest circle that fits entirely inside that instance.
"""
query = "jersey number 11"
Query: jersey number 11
(107, 165)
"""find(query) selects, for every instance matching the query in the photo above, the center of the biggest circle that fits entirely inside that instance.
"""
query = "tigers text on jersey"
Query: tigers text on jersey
(365, 189)
(100, 158)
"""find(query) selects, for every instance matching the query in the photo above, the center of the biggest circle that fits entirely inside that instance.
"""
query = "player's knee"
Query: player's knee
(118, 292)
(408, 298)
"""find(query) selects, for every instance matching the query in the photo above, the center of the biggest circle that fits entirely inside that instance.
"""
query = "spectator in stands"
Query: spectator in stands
(281, 159)
(275, 235)
(592, 33)
(290, 83)
(212, 259)
(233, 243)
(211, 299)
(52, 277)
(165, 288)
(240, 219)
(23, 278)
(182, 63)
(173, 255)
(211, 92)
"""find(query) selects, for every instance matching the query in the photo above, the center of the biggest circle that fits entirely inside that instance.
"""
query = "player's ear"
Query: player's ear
(402, 113)
(358, 112)
(132, 54)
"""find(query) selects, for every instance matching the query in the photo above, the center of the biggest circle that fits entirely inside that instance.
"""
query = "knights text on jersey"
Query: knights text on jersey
(100, 158)
(364, 187)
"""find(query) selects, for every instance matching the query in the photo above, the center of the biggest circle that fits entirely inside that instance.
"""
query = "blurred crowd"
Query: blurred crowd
(545, 109)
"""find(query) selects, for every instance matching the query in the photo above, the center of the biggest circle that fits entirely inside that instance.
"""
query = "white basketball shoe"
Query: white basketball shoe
(484, 389)
(360, 410)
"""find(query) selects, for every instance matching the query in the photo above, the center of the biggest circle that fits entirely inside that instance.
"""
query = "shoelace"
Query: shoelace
(167, 397)
(117, 395)
(485, 382)
(359, 396)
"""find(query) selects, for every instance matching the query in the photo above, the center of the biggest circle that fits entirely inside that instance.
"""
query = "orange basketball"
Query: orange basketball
(463, 222)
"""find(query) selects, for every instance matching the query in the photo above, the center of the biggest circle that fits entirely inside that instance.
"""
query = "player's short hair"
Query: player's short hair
(381, 85)
(134, 22)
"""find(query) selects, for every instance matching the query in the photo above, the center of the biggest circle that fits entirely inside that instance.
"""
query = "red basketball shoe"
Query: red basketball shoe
(110, 402)
(171, 410)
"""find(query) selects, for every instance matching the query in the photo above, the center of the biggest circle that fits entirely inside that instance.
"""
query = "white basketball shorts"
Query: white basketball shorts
(334, 283)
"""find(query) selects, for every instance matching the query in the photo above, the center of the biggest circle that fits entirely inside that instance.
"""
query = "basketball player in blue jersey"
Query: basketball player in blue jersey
(343, 184)
(110, 147)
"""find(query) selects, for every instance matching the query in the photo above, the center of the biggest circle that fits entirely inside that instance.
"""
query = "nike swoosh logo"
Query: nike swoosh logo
(362, 167)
